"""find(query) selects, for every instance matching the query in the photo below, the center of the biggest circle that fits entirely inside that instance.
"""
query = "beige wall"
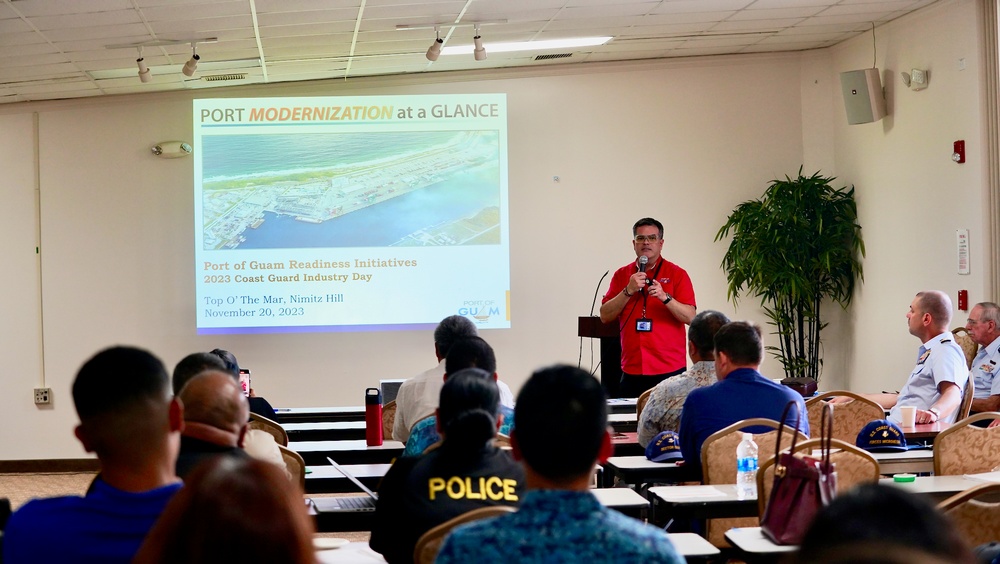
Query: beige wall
(911, 196)
(684, 141)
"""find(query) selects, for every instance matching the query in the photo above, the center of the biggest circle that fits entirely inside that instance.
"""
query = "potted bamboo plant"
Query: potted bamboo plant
(794, 247)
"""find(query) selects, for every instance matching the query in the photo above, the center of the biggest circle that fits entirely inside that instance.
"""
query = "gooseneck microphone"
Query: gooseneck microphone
(596, 291)
(579, 362)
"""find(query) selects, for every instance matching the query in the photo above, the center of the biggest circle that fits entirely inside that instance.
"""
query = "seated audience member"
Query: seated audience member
(741, 392)
(935, 385)
(984, 328)
(215, 420)
(258, 405)
(417, 397)
(466, 472)
(471, 352)
(129, 419)
(873, 523)
(233, 510)
(562, 432)
(193, 365)
(663, 408)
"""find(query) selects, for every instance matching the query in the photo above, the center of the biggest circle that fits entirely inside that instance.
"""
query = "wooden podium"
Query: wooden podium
(611, 349)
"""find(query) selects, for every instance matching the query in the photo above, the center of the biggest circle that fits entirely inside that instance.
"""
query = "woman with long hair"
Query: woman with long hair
(467, 471)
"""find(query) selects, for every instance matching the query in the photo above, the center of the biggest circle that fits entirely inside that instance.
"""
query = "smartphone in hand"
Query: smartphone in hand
(245, 381)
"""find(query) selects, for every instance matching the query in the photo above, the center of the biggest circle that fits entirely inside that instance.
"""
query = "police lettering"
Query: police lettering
(493, 488)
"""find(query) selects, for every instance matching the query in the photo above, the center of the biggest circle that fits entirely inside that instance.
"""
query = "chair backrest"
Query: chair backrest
(388, 419)
(270, 427)
(848, 418)
(964, 448)
(295, 465)
(854, 466)
(969, 347)
(430, 542)
(641, 403)
(965, 407)
(977, 520)
(718, 464)
(502, 440)
(718, 452)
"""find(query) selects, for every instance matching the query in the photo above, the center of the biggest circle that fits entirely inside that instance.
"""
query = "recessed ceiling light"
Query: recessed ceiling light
(529, 45)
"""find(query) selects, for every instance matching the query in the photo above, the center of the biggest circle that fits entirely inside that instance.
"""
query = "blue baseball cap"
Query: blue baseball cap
(881, 435)
(664, 447)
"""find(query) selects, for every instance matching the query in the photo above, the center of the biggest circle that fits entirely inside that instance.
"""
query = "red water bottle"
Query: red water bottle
(373, 416)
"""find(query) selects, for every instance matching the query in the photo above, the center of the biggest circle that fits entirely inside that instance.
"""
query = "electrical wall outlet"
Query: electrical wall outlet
(43, 396)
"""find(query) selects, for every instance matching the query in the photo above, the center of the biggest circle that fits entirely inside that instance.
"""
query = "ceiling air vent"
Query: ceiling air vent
(219, 77)
(553, 56)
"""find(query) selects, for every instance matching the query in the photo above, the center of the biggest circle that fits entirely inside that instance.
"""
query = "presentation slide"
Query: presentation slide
(366, 213)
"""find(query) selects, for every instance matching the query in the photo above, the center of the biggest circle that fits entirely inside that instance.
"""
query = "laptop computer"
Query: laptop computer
(347, 504)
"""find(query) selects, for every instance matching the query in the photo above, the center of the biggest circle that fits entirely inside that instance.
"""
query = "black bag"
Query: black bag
(806, 387)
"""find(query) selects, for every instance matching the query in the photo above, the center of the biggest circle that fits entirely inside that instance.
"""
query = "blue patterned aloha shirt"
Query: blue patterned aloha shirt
(663, 410)
(559, 526)
(424, 432)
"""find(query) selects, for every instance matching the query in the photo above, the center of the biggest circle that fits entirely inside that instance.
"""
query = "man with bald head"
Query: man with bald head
(935, 385)
(215, 419)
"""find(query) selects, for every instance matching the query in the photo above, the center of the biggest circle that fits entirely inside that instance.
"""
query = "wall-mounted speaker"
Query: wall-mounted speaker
(863, 97)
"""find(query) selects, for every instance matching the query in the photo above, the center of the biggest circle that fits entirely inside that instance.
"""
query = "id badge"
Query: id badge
(643, 325)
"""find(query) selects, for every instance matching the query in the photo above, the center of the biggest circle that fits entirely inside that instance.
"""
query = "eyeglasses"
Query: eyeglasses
(644, 238)
(972, 321)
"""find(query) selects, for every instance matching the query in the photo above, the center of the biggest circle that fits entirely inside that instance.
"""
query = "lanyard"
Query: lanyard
(645, 295)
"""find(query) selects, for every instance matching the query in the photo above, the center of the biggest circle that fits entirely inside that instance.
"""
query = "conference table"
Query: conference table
(325, 430)
(616, 406)
(327, 479)
(709, 502)
(637, 469)
(689, 545)
(626, 444)
(314, 414)
(640, 470)
(346, 452)
(924, 431)
(623, 422)
(939, 488)
(699, 502)
(623, 500)
(753, 546)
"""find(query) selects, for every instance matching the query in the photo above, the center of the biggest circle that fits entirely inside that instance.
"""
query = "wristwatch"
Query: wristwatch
(936, 412)
(668, 299)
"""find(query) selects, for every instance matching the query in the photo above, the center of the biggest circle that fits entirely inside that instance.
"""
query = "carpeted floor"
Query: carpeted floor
(22, 487)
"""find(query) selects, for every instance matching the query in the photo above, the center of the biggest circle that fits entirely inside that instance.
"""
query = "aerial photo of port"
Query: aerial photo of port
(351, 190)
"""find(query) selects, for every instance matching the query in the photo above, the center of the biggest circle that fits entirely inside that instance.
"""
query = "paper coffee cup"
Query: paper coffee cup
(909, 415)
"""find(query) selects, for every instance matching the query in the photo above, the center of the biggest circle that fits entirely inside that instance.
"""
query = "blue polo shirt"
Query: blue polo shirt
(105, 526)
(744, 394)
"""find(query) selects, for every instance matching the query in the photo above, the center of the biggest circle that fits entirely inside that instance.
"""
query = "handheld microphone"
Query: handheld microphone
(642, 267)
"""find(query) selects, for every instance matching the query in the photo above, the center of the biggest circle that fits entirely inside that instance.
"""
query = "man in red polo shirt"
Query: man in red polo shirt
(652, 299)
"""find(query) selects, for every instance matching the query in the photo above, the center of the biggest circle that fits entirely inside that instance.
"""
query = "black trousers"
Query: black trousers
(632, 386)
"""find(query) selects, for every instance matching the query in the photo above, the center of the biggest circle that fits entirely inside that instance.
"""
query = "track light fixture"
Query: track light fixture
(143, 69)
(479, 52)
(434, 51)
(192, 64)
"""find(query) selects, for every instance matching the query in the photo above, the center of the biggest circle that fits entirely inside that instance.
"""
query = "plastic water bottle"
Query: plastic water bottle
(746, 468)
